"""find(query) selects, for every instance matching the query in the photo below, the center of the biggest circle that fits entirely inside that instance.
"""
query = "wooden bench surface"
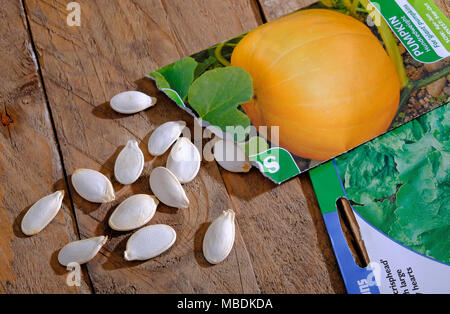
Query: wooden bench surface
(55, 86)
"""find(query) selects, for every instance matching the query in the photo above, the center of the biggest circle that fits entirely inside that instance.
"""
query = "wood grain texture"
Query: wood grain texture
(274, 9)
(30, 168)
(83, 68)
(288, 243)
(279, 246)
(444, 5)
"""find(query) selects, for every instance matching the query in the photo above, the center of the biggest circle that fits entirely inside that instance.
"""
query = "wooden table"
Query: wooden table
(56, 82)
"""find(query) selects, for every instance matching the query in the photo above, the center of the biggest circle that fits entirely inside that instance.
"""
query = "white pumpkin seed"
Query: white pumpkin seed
(184, 160)
(167, 188)
(81, 251)
(150, 242)
(219, 238)
(231, 156)
(134, 212)
(41, 213)
(93, 186)
(131, 102)
(164, 136)
(129, 164)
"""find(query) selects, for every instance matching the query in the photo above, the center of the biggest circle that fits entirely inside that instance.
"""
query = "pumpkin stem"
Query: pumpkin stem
(351, 6)
(412, 85)
(354, 7)
(393, 52)
(347, 3)
(390, 45)
(327, 3)
(436, 75)
(218, 55)
(405, 95)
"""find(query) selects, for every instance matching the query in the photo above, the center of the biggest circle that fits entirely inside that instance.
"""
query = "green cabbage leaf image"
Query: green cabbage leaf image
(400, 183)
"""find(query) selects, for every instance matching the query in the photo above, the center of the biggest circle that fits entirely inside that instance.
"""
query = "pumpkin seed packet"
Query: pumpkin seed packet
(312, 85)
(398, 186)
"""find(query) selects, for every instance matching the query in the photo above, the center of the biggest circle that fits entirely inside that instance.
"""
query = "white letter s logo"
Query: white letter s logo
(271, 164)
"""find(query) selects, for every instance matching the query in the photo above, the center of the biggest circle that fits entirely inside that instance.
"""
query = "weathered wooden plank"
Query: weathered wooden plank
(444, 5)
(274, 9)
(288, 244)
(83, 67)
(30, 168)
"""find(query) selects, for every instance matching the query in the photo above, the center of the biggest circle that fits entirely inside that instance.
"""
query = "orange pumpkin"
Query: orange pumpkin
(323, 78)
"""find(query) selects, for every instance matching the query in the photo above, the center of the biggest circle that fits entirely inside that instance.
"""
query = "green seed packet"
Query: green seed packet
(399, 188)
(322, 80)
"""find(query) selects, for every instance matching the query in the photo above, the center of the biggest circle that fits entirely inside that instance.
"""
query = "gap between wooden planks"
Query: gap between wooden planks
(30, 168)
(281, 244)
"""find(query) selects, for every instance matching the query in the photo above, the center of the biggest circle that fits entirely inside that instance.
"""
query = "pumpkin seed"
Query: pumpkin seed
(219, 238)
(93, 186)
(167, 188)
(131, 102)
(129, 164)
(164, 136)
(81, 251)
(231, 156)
(184, 160)
(150, 242)
(42, 213)
(133, 213)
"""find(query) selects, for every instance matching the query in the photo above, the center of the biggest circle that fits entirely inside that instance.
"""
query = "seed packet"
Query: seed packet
(398, 190)
(310, 86)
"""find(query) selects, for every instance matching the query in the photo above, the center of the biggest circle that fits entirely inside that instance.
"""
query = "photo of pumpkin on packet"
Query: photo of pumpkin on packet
(318, 82)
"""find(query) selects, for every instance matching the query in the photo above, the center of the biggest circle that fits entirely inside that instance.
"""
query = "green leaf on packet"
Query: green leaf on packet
(160, 80)
(177, 76)
(203, 66)
(368, 169)
(217, 93)
(419, 205)
(378, 213)
(402, 179)
(436, 246)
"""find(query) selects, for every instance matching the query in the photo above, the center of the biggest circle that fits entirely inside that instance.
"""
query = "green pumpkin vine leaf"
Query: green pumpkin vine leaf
(217, 93)
(177, 76)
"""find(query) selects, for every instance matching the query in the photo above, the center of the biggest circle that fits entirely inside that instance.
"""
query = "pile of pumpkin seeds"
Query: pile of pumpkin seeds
(183, 165)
